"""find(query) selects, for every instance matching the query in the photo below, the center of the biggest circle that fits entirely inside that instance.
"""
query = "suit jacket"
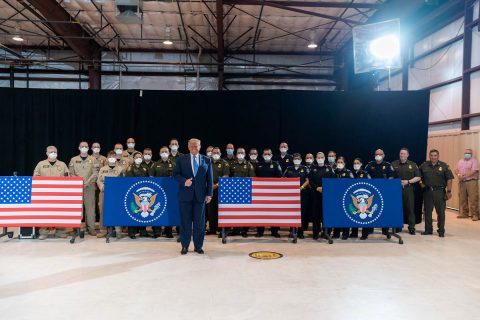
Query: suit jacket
(202, 183)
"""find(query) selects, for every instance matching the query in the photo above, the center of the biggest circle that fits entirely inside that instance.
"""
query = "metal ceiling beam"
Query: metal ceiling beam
(50, 9)
(310, 4)
(281, 5)
(220, 43)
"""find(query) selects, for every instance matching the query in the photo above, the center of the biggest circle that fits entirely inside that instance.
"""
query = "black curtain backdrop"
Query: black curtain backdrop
(351, 123)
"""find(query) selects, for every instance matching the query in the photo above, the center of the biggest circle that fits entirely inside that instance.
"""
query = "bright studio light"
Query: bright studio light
(168, 42)
(312, 45)
(386, 47)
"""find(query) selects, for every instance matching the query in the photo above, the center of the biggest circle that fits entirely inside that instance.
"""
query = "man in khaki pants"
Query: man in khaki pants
(84, 166)
(467, 173)
(112, 169)
(51, 167)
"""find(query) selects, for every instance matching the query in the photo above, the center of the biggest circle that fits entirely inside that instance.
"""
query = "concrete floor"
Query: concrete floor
(426, 278)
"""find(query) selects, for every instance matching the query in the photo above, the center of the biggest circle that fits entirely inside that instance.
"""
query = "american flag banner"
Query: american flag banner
(41, 201)
(259, 202)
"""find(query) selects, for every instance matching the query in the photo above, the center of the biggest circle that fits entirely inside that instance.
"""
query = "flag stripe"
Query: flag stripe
(260, 213)
(264, 194)
(257, 217)
(259, 223)
(277, 180)
(277, 188)
(273, 199)
(55, 193)
(51, 202)
(255, 206)
(45, 217)
(242, 208)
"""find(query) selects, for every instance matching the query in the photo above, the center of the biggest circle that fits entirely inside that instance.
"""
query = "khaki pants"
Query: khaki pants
(468, 198)
(101, 198)
(89, 207)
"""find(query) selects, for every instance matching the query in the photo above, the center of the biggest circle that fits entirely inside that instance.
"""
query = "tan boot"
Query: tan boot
(475, 219)
(42, 236)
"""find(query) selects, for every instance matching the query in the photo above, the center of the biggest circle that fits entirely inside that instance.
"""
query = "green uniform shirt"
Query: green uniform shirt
(134, 171)
(221, 168)
(244, 169)
(162, 168)
(230, 160)
(435, 175)
(405, 171)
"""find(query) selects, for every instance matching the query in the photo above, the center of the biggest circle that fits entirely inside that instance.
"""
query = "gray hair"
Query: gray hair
(51, 147)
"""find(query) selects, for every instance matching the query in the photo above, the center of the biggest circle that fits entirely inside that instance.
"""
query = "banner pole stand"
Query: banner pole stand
(327, 236)
(109, 234)
(224, 236)
(6, 233)
(394, 234)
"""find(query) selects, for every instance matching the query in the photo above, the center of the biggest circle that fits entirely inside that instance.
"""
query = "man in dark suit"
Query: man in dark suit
(193, 171)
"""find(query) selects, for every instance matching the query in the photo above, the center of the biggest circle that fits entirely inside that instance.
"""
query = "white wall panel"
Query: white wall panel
(447, 127)
(437, 38)
(440, 66)
(157, 83)
(446, 102)
(395, 83)
(475, 92)
(475, 47)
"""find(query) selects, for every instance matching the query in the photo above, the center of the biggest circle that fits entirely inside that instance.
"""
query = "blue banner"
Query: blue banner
(141, 202)
(362, 203)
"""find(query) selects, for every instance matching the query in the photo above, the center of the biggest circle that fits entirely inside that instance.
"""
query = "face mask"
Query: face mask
(253, 157)
(468, 156)
(331, 159)
(309, 161)
(378, 158)
(118, 152)
(174, 147)
(321, 160)
(112, 160)
(267, 158)
(83, 149)
(164, 155)
(52, 155)
(209, 154)
(357, 166)
(147, 157)
(297, 162)
(340, 166)
(240, 156)
(131, 145)
(138, 161)
(283, 150)
(216, 157)
(230, 152)
(96, 150)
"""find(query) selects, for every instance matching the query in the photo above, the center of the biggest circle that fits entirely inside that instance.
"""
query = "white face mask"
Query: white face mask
(96, 150)
(164, 155)
(147, 157)
(340, 166)
(267, 158)
(52, 155)
(283, 150)
(378, 158)
(240, 156)
(357, 166)
(112, 160)
(83, 149)
(138, 161)
(216, 157)
(297, 162)
(174, 147)
(253, 157)
(309, 161)
(320, 160)
(118, 151)
(209, 154)
(131, 145)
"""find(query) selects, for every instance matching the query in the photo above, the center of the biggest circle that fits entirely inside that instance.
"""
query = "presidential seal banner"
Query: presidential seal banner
(359, 203)
(141, 202)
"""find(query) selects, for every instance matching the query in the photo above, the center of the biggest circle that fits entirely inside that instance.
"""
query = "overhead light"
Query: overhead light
(168, 42)
(17, 36)
(312, 45)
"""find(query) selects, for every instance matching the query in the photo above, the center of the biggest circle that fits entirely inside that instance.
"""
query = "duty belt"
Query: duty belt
(435, 188)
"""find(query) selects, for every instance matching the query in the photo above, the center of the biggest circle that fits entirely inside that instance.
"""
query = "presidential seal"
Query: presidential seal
(145, 201)
(362, 203)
